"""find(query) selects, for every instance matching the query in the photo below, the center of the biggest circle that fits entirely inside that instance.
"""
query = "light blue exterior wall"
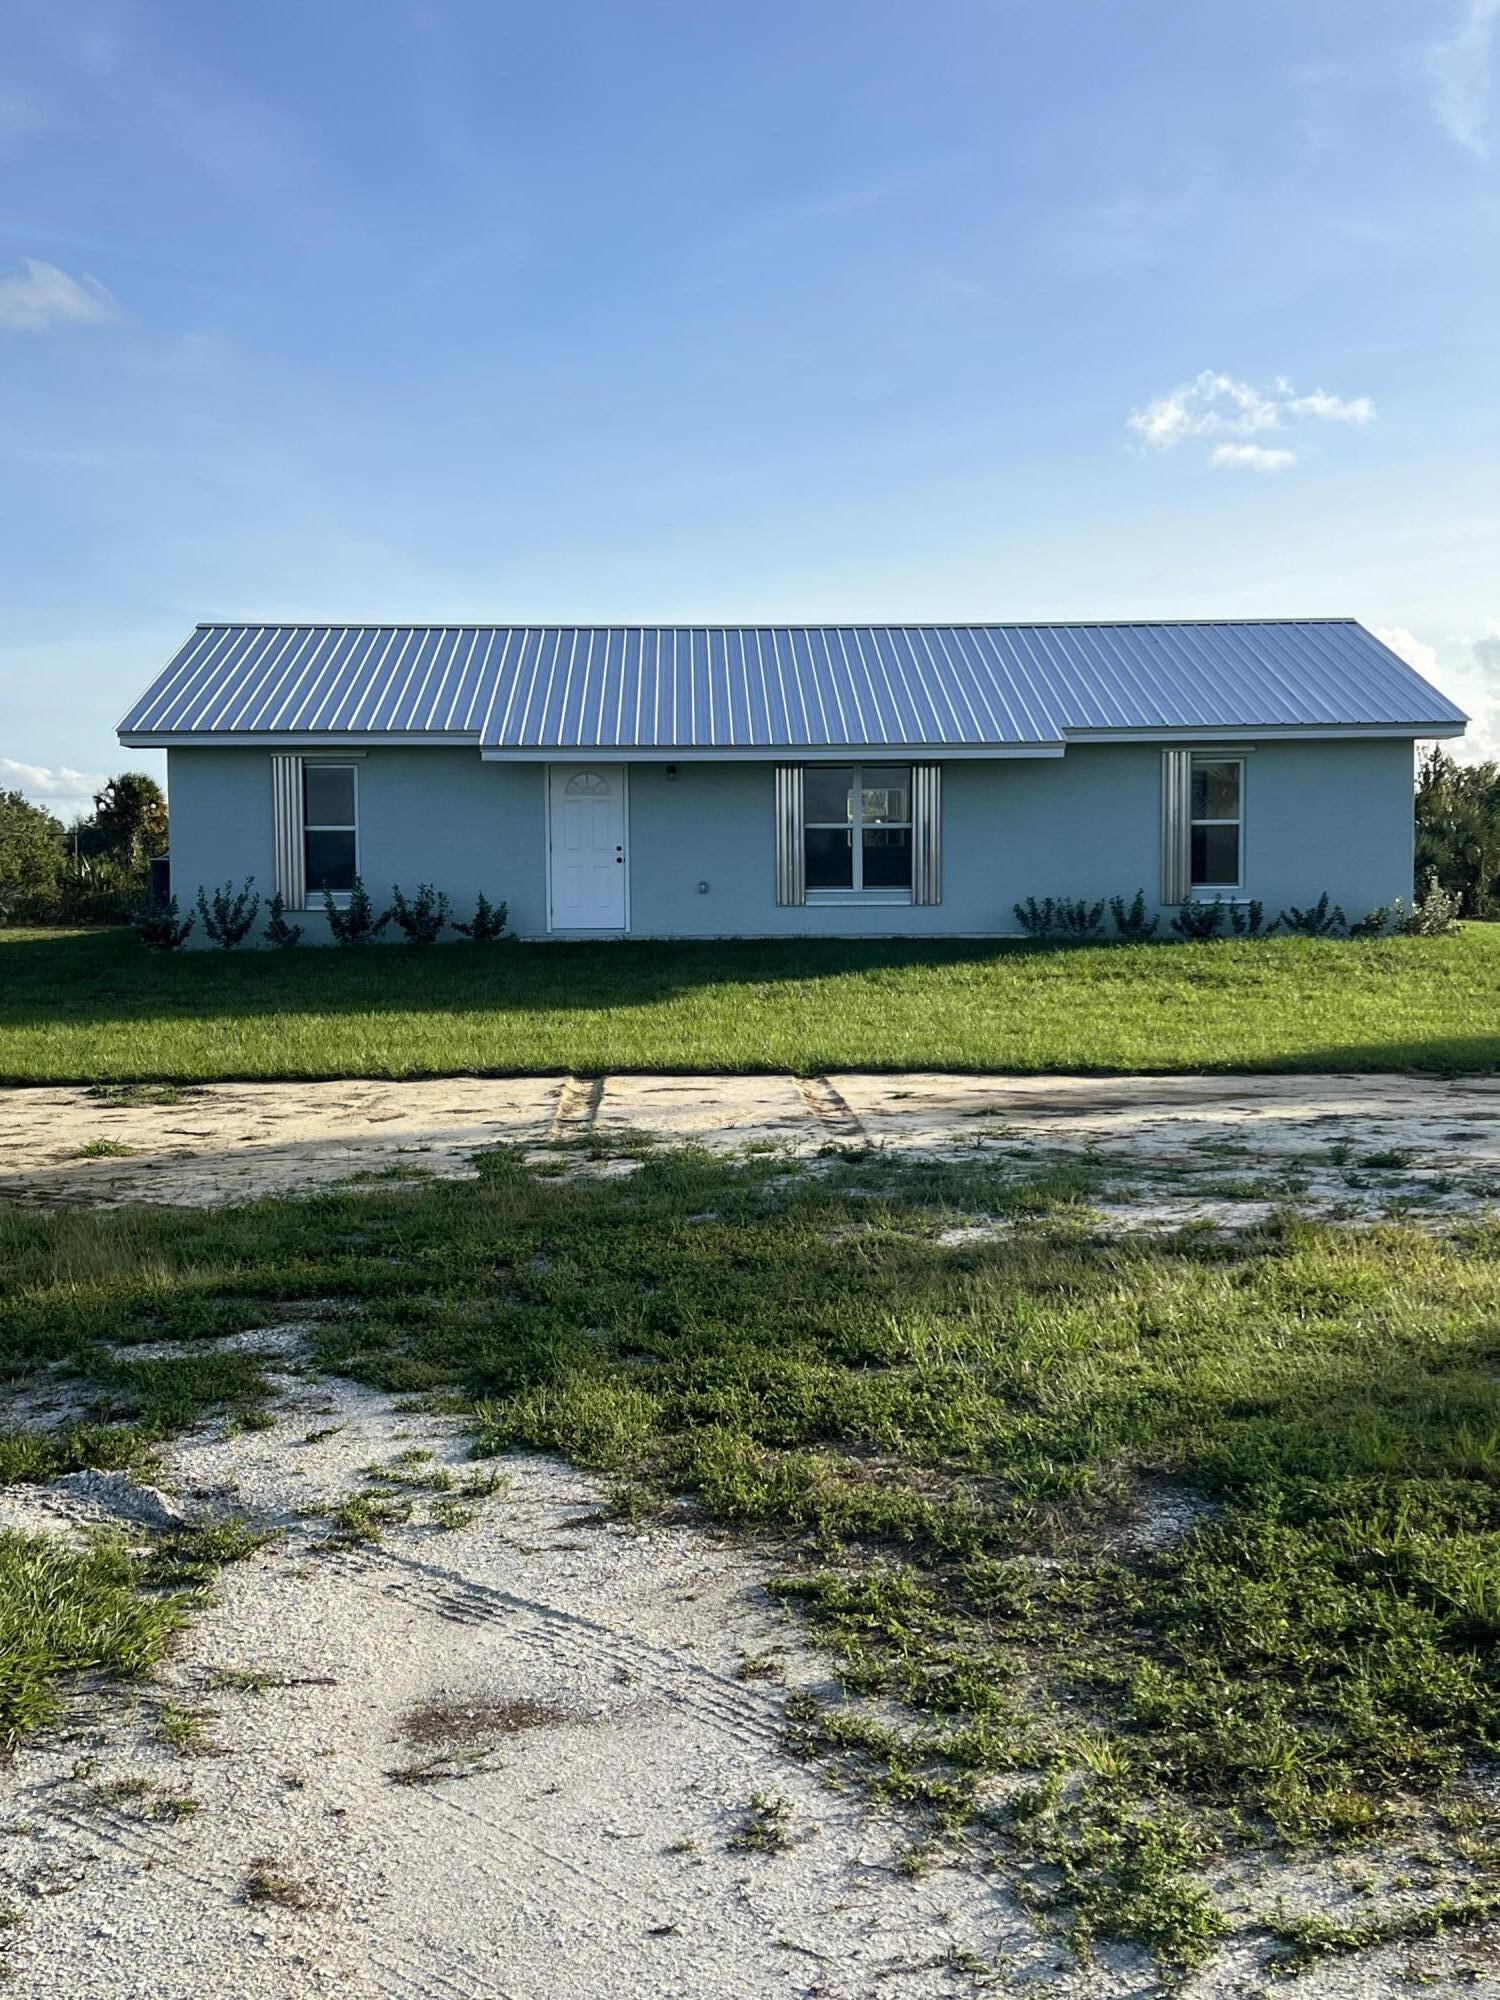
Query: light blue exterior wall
(1334, 815)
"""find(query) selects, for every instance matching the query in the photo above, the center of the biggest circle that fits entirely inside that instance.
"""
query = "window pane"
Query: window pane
(830, 857)
(328, 794)
(1216, 857)
(826, 792)
(887, 857)
(887, 791)
(1216, 790)
(330, 862)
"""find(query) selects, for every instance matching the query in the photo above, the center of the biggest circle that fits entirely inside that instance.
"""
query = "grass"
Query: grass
(949, 1454)
(64, 1612)
(267, 1881)
(766, 1827)
(95, 1007)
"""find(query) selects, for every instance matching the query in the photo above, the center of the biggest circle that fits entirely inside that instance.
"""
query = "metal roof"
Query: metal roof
(758, 689)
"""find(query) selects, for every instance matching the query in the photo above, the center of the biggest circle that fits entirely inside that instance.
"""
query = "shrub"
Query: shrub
(1199, 921)
(228, 917)
(1036, 919)
(1131, 921)
(1060, 916)
(160, 926)
(100, 890)
(1079, 919)
(1318, 921)
(422, 918)
(1248, 919)
(488, 923)
(1435, 915)
(278, 931)
(1377, 922)
(358, 923)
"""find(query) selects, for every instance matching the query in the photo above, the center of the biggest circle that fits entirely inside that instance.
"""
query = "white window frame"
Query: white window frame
(351, 765)
(854, 826)
(1204, 892)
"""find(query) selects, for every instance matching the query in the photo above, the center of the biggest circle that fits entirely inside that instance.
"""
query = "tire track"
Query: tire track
(743, 1715)
(577, 1107)
(832, 1110)
(153, 1847)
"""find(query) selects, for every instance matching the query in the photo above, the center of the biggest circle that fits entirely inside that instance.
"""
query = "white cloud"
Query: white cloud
(47, 297)
(1468, 673)
(1458, 71)
(62, 790)
(1208, 404)
(1253, 457)
(1217, 405)
(1337, 409)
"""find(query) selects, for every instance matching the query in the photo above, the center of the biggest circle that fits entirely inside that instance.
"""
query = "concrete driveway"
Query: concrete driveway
(1227, 1148)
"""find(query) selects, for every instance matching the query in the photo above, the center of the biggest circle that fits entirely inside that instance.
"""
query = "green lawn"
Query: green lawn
(948, 1453)
(95, 1007)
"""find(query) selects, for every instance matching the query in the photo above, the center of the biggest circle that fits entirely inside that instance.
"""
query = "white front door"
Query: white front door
(587, 848)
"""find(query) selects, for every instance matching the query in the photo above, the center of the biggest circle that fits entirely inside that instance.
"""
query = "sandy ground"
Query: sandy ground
(586, 1845)
(589, 1851)
(1179, 1149)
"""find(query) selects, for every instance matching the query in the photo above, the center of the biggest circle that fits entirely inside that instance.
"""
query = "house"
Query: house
(850, 780)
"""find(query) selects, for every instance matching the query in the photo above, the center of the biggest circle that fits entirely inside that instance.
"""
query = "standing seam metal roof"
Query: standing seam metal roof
(678, 688)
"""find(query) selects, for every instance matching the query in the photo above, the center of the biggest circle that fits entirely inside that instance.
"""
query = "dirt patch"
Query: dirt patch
(449, 1721)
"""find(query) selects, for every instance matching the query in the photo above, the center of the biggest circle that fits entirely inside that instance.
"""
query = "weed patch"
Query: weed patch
(266, 1881)
(64, 1612)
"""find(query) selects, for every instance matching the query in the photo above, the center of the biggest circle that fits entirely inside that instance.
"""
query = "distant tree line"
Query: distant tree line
(1458, 831)
(95, 871)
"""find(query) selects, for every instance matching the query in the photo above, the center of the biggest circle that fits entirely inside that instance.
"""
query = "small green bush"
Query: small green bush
(1130, 919)
(357, 923)
(1060, 916)
(1199, 921)
(419, 918)
(488, 922)
(228, 914)
(278, 931)
(1080, 919)
(1434, 915)
(1319, 920)
(160, 925)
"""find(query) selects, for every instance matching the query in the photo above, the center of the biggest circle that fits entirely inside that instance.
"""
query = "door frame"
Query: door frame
(590, 764)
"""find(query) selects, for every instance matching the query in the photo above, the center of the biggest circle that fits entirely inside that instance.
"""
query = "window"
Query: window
(329, 828)
(1216, 823)
(857, 828)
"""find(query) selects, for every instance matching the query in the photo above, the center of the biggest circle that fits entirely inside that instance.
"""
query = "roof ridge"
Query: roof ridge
(751, 624)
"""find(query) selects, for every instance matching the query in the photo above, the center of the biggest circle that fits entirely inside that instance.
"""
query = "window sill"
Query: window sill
(857, 898)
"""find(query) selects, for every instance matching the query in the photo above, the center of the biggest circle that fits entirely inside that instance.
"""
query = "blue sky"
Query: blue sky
(686, 309)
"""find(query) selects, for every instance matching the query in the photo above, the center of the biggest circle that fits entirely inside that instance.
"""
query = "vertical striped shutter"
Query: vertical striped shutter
(1176, 780)
(927, 833)
(791, 856)
(286, 821)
